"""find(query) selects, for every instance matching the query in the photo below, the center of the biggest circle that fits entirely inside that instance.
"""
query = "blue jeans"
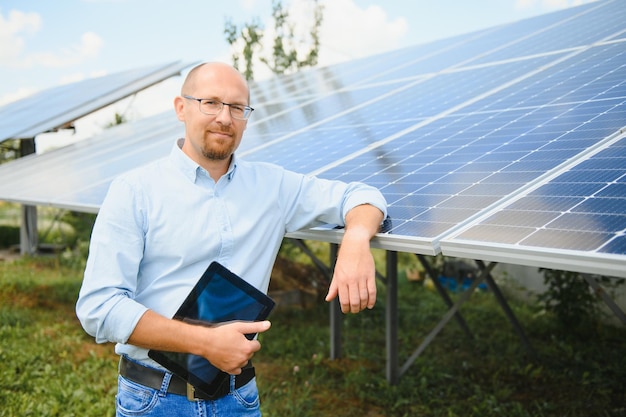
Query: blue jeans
(137, 400)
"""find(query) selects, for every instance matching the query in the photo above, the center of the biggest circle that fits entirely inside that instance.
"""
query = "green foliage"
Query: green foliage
(118, 119)
(490, 375)
(251, 35)
(60, 228)
(286, 46)
(50, 367)
(570, 298)
(9, 236)
(82, 223)
(9, 150)
(44, 352)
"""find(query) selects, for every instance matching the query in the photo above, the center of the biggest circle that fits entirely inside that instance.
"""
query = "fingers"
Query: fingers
(371, 291)
(354, 297)
(332, 291)
(362, 296)
(230, 346)
(251, 327)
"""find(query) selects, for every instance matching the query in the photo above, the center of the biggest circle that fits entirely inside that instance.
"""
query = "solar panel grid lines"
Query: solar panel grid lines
(98, 148)
(353, 108)
(418, 226)
(56, 107)
(542, 27)
(344, 108)
(72, 171)
(312, 100)
(313, 82)
(288, 115)
(330, 79)
(420, 65)
(578, 211)
(572, 77)
(602, 20)
(297, 144)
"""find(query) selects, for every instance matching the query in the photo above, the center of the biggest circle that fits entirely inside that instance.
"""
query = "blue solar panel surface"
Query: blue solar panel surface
(448, 168)
(55, 107)
(582, 209)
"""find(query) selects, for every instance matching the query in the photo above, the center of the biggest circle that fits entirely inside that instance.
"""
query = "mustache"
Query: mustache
(225, 131)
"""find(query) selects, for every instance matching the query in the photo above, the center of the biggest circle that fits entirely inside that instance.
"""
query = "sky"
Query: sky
(47, 43)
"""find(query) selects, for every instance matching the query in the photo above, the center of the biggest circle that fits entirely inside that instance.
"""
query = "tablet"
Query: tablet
(219, 296)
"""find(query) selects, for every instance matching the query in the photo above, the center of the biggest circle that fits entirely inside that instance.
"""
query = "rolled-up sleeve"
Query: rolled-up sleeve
(358, 194)
(106, 307)
(320, 201)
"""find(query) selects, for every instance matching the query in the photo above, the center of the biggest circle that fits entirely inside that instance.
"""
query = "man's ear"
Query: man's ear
(179, 107)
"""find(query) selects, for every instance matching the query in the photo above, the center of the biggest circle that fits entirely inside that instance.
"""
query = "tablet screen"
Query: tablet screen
(219, 296)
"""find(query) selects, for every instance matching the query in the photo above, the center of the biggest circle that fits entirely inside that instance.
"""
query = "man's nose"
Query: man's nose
(224, 115)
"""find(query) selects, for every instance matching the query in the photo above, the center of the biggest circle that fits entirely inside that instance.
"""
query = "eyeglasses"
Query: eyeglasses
(212, 107)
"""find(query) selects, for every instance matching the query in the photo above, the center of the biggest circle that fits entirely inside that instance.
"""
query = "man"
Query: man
(162, 224)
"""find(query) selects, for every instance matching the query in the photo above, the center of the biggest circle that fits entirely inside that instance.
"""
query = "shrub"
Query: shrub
(571, 299)
(9, 236)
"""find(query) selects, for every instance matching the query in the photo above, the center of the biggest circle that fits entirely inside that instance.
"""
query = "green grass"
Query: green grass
(50, 367)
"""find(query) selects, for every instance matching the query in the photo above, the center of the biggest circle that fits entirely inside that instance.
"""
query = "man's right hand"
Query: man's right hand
(225, 345)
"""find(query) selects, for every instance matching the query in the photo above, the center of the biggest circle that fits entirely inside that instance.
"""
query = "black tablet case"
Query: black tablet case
(219, 296)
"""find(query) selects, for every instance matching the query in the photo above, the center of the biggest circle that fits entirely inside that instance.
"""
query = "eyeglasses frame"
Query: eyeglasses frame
(247, 109)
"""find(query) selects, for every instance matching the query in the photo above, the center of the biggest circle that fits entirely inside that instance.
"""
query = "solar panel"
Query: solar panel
(77, 176)
(56, 107)
(579, 217)
(468, 138)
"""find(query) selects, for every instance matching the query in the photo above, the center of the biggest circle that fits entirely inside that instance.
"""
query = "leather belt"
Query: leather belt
(153, 378)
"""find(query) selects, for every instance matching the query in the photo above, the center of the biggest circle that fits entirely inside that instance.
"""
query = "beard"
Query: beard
(218, 151)
(216, 154)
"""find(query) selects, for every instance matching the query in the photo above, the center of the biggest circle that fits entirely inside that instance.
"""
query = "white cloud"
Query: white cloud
(88, 47)
(14, 51)
(248, 5)
(350, 32)
(16, 95)
(12, 27)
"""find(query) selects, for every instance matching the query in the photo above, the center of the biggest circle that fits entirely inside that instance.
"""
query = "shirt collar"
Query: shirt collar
(189, 167)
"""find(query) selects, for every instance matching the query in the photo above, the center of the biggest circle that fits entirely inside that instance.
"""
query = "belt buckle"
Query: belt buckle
(191, 393)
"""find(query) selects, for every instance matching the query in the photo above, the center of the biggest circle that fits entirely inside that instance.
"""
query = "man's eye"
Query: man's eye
(239, 109)
(211, 103)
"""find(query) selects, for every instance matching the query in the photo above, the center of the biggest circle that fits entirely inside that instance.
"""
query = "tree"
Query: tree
(119, 119)
(286, 49)
(9, 150)
(251, 35)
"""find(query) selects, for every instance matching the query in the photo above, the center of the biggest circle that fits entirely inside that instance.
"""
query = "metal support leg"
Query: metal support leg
(446, 318)
(391, 318)
(493, 287)
(605, 297)
(335, 313)
(29, 240)
(444, 295)
(316, 261)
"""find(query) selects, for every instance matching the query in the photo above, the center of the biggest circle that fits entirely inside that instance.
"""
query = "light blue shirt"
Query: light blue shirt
(161, 225)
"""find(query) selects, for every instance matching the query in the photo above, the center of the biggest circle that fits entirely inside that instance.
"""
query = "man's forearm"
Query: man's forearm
(354, 279)
(224, 345)
(365, 219)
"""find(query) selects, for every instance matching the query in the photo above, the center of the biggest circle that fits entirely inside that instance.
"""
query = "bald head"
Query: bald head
(210, 72)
